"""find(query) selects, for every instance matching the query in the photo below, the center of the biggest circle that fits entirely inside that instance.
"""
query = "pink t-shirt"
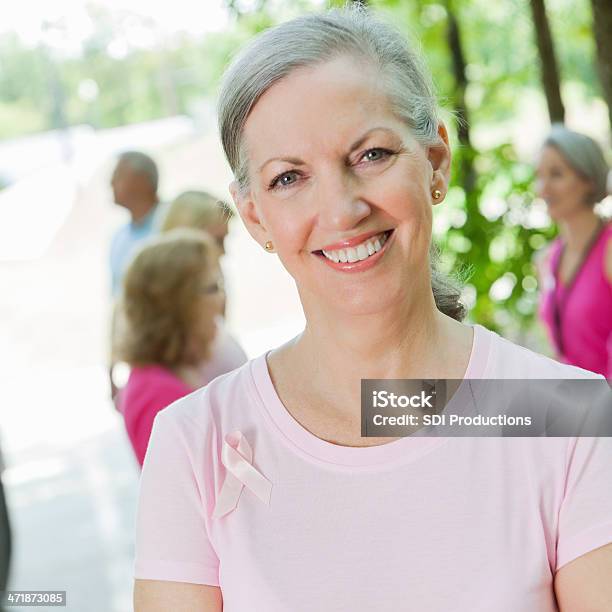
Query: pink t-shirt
(436, 524)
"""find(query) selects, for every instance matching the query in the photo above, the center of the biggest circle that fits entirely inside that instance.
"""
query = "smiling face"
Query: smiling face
(341, 187)
(560, 186)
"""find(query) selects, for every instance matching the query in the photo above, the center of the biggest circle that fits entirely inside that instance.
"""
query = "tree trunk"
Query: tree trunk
(602, 27)
(548, 61)
(463, 127)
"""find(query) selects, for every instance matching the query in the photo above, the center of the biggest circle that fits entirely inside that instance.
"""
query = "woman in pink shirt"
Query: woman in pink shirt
(576, 269)
(171, 301)
(259, 492)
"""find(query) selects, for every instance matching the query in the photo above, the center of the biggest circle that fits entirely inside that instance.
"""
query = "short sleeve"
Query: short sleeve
(585, 518)
(172, 541)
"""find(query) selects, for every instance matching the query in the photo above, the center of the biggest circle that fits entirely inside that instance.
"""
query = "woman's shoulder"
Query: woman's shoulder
(510, 360)
(223, 403)
(151, 378)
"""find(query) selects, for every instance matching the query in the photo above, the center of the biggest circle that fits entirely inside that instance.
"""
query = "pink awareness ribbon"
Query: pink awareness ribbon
(237, 457)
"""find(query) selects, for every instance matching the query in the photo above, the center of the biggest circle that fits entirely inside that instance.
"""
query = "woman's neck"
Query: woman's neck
(376, 344)
(189, 373)
(329, 359)
(577, 230)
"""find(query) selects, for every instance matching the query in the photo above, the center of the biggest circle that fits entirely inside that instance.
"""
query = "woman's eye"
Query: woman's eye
(376, 154)
(283, 180)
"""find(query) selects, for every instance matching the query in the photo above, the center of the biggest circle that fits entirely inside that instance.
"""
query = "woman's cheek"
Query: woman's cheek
(291, 230)
(404, 205)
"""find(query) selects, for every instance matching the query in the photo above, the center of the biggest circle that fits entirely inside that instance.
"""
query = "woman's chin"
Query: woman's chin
(363, 302)
(559, 212)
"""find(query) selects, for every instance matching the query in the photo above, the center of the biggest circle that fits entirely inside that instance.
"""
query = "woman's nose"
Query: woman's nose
(341, 205)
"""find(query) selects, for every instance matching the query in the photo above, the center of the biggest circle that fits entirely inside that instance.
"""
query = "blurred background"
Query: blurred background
(81, 81)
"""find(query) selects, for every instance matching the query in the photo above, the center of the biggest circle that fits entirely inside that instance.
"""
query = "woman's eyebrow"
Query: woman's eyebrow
(296, 161)
(365, 136)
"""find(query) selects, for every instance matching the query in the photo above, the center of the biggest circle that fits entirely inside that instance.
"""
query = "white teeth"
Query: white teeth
(359, 253)
(362, 252)
(333, 255)
(351, 255)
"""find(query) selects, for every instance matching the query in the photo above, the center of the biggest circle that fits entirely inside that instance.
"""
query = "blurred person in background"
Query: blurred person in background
(576, 269)
(171, 296)
(134, 183)
(201, 210)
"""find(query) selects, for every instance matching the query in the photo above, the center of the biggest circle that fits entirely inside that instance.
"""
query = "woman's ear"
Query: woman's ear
(439, 155)
(248, 213)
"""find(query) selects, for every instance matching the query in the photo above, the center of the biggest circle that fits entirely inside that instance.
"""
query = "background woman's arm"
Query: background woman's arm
(162, 595)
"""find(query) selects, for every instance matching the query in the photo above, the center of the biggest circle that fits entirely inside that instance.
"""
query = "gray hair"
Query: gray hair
(584, 155)
(320, 37)
(143, 164)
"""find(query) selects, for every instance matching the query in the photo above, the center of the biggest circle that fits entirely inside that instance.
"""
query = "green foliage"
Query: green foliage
(146, 83)
(490, 236)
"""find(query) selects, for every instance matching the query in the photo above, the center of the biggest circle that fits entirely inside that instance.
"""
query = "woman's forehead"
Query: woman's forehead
(330, 102)
(550, 156)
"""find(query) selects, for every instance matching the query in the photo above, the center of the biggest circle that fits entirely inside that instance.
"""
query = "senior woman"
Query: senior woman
(259, 493)
(576, 269)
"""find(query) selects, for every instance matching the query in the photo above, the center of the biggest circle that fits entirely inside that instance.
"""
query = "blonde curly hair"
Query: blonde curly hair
(161, 300)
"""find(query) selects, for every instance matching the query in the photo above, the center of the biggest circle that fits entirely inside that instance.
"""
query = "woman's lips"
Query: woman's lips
(352, 242)
(363, 264)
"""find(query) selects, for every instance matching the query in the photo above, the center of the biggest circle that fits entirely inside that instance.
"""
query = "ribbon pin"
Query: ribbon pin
(237, 457)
